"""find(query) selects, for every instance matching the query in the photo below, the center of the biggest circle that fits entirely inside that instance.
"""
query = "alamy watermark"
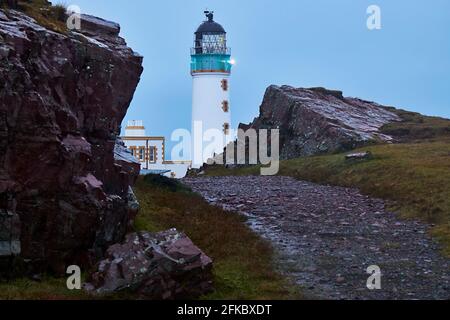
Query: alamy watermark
(374, 19)
(374, 281)
(211, 146)
(74, 280)
(74, 17)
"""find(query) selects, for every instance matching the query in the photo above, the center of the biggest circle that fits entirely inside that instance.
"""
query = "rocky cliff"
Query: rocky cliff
(317, 120)
(65, 182)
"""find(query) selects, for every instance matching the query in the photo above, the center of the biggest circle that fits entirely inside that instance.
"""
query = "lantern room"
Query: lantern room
(210, 52)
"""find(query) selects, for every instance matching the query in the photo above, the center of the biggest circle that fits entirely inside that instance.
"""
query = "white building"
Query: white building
(150, 151)
(210, 69)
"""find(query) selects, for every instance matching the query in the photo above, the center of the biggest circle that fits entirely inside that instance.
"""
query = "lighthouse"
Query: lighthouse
(210, 69)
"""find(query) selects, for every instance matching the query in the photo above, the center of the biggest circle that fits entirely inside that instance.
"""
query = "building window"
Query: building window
(226, 128)
(225, 85)
(133, 151)
(141, 155)
(152, 154)
(225, 106)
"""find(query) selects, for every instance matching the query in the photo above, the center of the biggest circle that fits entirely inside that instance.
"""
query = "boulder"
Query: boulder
(62, 100)
(165, 265)
(359, 156)
(316, 120)
(95, 26)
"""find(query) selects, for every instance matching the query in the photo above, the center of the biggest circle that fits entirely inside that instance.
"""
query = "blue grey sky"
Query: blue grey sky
(302, 43)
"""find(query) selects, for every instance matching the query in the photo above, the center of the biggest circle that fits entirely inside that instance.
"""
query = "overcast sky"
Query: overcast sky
(302, 43)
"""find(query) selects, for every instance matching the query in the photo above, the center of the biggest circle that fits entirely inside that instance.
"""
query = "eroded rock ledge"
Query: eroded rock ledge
(317, 120)
(64, 198)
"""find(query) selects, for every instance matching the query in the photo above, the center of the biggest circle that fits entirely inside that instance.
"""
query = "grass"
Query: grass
(416, 127)
(413, 177)
(47, 289)
(52, 17)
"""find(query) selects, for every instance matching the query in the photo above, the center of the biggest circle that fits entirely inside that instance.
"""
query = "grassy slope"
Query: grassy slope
(48, 289)
(416, 127)
(415, 175)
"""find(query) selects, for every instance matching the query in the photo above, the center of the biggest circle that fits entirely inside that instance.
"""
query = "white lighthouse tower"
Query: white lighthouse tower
(210, 69)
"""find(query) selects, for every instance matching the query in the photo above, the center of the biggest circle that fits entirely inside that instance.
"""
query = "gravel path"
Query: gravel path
(326, 237)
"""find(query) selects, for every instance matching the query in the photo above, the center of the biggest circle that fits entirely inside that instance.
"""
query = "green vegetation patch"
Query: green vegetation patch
(52, 17)
(159, 181)
(47, 288)
(416, 127)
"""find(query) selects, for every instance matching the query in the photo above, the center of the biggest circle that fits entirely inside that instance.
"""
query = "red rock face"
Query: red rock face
(161, 266)
(62, 100)
(317, 120)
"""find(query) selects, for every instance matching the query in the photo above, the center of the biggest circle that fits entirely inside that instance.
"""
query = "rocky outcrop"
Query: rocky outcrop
(317, 120)
(165, 265)
(64, 180)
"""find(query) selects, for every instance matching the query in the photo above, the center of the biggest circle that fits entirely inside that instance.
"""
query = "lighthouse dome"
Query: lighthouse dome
(210, 27)
(210, 37)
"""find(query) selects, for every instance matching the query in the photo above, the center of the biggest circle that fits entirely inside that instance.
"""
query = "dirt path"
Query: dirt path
(326, 237)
